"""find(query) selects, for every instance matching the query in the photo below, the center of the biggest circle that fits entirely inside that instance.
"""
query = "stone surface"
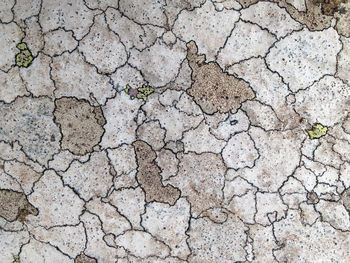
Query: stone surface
(103, 48)
(197, 24)
(142, 244)
(70, 15)
(31, 124)
(256, 43)
(177, 217)
(174, 131)
(165, 62)
(328, 103)
(69, 239)
(65, 206)
(217, 242)
(15, 206)
(269, 16)
(76, 78)
(240, 152)
(90, 179)
(59, 41)
(12, 36)
(300, 64)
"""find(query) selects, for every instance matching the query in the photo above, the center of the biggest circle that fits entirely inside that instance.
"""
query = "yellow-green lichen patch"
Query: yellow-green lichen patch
(24, 57)
(140, 93)
(317, 132)
(16, 259)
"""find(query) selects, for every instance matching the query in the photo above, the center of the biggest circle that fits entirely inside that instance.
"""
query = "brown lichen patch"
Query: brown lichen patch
(212, 89)
(312, 198)
(148, 175)
(82, 258)
(15, 206)
(345, 197)
(81, 124)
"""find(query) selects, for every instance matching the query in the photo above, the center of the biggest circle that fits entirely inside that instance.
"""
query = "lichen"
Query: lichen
(317, 132)
(140, 93)
(213, 89)
(24, 57)
(16, 259)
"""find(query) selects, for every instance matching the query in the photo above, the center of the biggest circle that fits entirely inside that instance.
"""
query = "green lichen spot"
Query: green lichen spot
(317, 132)
(22, 46)
(140, 93)
(16, 259)
(144, 92)
(24, 57)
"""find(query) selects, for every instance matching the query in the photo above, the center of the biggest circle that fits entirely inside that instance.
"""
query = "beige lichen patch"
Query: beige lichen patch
(82, 258)
(81, 124)
(346, 199)
(212, 89)
(148, 175)
(15, 206)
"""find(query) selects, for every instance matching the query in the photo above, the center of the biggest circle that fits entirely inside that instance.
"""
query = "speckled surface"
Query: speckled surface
(174, 131)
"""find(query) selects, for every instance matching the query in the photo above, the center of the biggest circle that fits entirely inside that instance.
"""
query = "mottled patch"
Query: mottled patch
(15, 206)
(148, 175)
(81, 124)
(212, 89)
